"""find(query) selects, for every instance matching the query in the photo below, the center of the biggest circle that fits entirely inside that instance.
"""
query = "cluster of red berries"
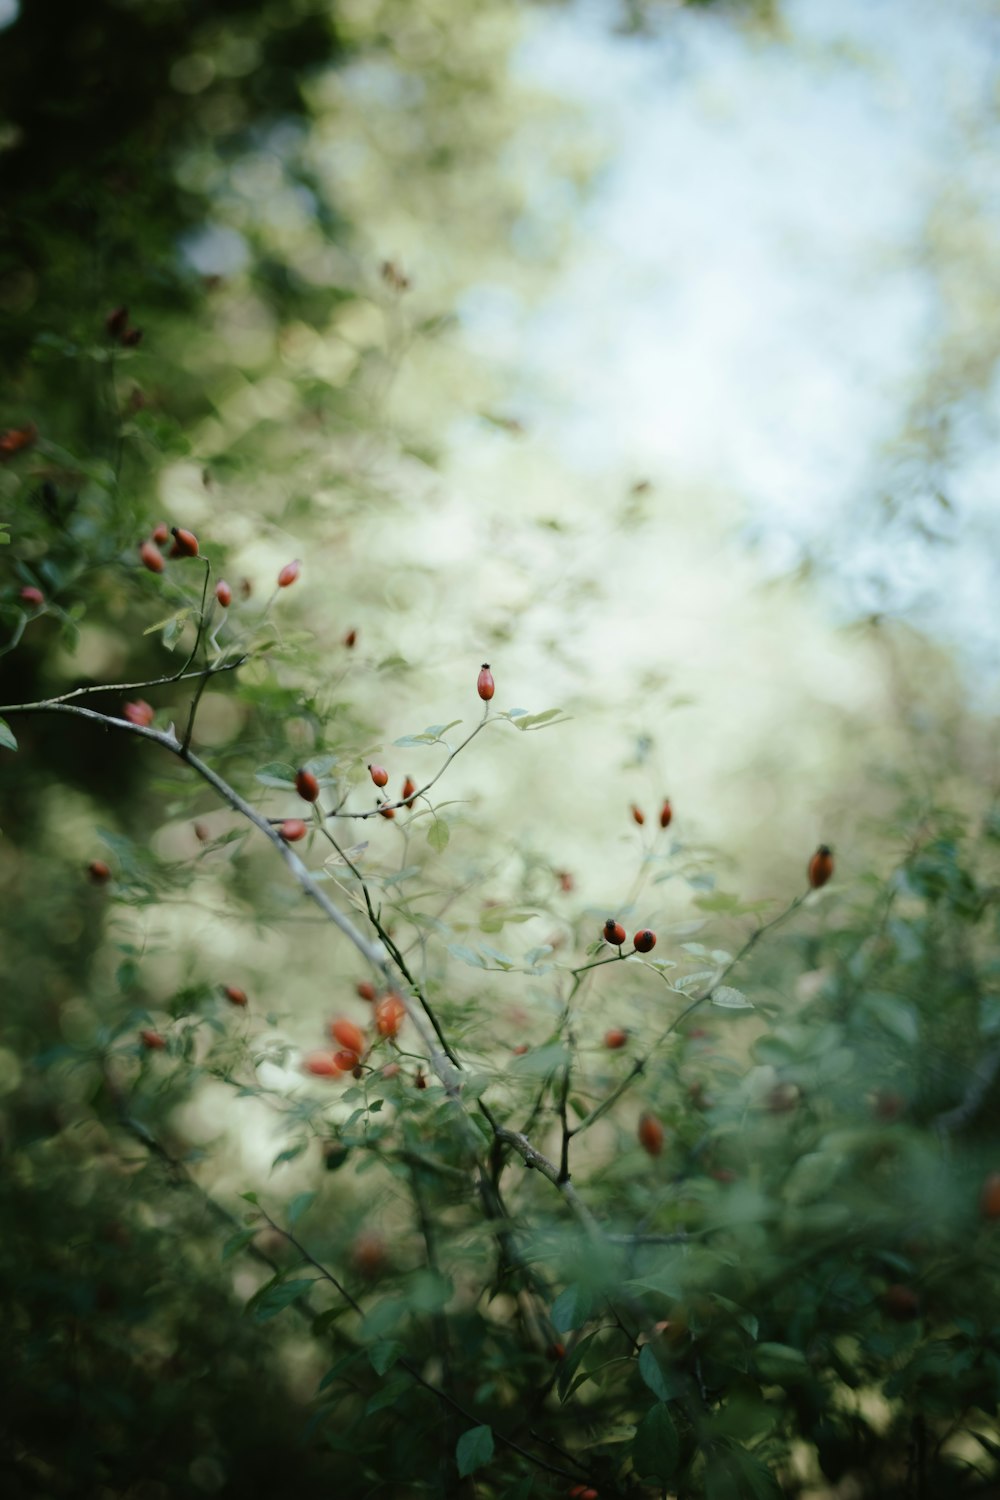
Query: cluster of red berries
(614, 933)
(666, 814)
(387, 1016)
(380, 776)
(185, 544)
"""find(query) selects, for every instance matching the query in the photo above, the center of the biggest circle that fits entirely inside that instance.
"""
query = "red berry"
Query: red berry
(185, 543)
(322, 1064)
(613, 933)
(161, 533)
(350, 638)
(820, 867)
(378, 774)
(223, 593)
(234, 994)
(292, 829)
(348, 1035)
(387, 812)
(99, 872)
(615, 1039)
(638, 816)
(651, 1134)
(644, 941)
(369, 1254)
(151, 558)
(116, 322)
(556, 1351)
(485, 686)
(345, 1061)
(32, 595)
(289, 573)
(366, 989)
(152, 1040)
(306, 785)
(666, 813)
(409, 787)
(132, 337)
(15, 439)
(139, 712)
(989, 1198)
(389, 1014)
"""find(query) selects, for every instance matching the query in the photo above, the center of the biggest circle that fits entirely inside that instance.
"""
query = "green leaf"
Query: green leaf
(473, 1450)
(438, 835)
(780, 1364)
(730, 999)
(179, 615)
(395, 1387)
(540, 1060)
(430, 736)
(571, 1308)
(277, 774)
(299, 1205)
(236, 1243)
(496, 917)
(289, 1154)
(656, 1449)
(384, 1355)
(467, 955)
(7, 739)
(542, 720)
(651, 1373)
(338, 1371)
(275, 1297)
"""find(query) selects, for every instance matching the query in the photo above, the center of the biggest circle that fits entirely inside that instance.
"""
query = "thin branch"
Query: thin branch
(377, 812)
(394, 951)
(639, 1065)
(123, 687)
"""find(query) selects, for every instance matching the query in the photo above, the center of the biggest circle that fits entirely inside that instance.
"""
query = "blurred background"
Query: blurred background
(645, 350)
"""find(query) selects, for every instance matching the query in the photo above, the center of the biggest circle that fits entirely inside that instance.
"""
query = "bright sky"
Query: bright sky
(748, 302)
